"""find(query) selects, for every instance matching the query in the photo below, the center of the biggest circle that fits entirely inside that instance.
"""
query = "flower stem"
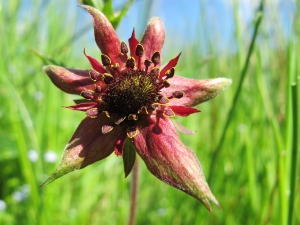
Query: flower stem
(134, 191)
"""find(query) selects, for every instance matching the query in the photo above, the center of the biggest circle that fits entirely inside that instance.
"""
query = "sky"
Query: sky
(194, 20)
(186, 22)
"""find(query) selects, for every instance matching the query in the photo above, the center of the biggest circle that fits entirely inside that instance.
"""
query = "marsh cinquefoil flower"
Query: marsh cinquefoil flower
(128, 97)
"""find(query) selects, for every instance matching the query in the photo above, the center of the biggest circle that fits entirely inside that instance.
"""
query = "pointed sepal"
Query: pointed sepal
(133, 42)
(167, 158)
(87, 146)
(72, 81)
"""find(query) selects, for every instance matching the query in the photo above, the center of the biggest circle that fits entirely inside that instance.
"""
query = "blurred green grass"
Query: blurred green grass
(251, 173)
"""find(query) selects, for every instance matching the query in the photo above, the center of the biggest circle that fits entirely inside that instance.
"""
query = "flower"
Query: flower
(130, 98)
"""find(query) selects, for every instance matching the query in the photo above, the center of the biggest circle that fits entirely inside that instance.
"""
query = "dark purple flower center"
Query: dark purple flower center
(131, 91)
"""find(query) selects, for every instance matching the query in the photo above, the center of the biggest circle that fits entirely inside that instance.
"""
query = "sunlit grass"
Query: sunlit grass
(253, 173)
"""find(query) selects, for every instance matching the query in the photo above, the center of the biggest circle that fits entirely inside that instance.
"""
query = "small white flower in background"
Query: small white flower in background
(242, 128)
(22, 193)
(50, 156)
(72, 212)
(2, 205)
(32, 155)
(38, 95)
(18, 196)
(161, 211)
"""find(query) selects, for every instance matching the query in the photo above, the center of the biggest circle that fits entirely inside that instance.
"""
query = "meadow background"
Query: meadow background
(247, 138)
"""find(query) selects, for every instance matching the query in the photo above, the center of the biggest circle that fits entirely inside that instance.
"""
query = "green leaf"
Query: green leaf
(129, 155)
(87, 2)
(46, 59)
(112, 16)
(108, 10)
(123, 12)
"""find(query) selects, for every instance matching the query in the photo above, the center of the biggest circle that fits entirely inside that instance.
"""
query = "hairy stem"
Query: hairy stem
(134, 191)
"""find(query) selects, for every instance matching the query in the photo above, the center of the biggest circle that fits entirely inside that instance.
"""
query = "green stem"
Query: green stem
(237, 93)
(293, 168)
(134, 192)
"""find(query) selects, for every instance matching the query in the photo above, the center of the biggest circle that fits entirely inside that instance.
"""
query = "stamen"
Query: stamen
(143, 110)
(153, 106)
(94, 75)
(107, 78)
(124, 48)
(166, 84)
(156, 58)
(163, 100)
(120, 119)
(169, 113)
(147, 63)
(178, 94)
(106, 129)
(106, 113)
(115, 69)
(170, 73)
(87, 94)
(154, 71)
(139, 52)
(132, 132)
(93, 112)
(105, 60)
(132, 117)
(97, 89)
(130, 63)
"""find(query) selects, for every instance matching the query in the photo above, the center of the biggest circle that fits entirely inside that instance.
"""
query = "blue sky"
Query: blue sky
(186, 22)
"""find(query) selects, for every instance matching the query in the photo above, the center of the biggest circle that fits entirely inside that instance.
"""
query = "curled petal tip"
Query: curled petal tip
(105, 35)
(45, 68)
(220, 84)
(51, 69)
(197, 91)
(213, 87)
(206, 201)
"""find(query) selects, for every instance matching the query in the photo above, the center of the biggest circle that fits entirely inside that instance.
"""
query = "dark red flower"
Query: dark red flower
(129, 97)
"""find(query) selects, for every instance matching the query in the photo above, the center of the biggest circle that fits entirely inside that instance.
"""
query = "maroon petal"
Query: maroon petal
(183, 111)
(87, 146)
(167, 158)
(195, 91)
(84, 106)
(105, 36)
(95, 64)
(170, 64)
(72, 81)
(153, 39)
(133, 42)
(120, 143)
